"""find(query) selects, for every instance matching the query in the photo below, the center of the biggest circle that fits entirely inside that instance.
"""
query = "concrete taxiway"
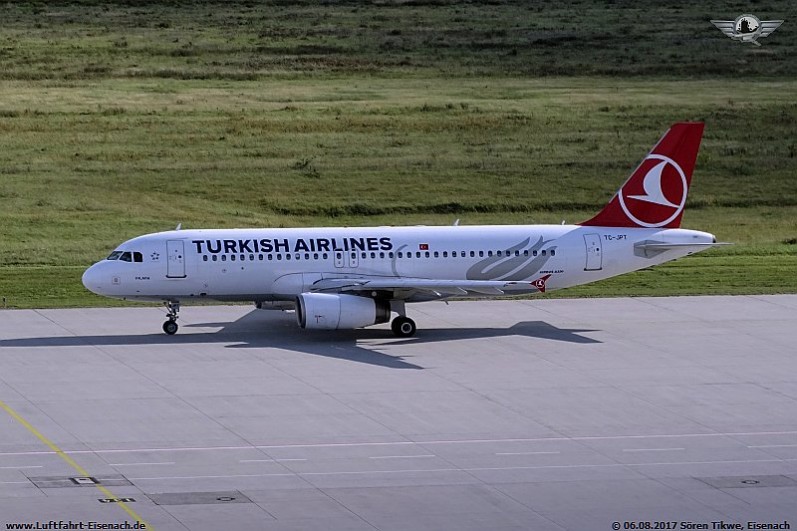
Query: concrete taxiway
(501, 415)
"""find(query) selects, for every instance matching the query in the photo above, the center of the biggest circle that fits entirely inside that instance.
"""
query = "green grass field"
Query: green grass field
(119, 120)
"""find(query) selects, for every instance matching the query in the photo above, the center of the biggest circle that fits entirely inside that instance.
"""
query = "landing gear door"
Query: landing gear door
(594, 252)
(175, 265)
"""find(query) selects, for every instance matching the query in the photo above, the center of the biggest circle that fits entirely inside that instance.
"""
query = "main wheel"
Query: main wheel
(170, 327)
(403, 326)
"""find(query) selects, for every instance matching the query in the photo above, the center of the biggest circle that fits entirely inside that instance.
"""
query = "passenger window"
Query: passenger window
(381, 255)
(306, 256)
(534, 253)
(252, 257)
(498, 253)
(215, 258)
(472, 254)
(445, 254)
(224, 258)
(417, 254)
(543, 252)
(399, 254)
(270, 257)
(279, 256)
(436, 254)
(260, 257)
(553, 253)
(489, 253)
(287, 256)
(205, 257)
(364, 256)
(315, 256)
(526, 252)
(232, 258)
(426, 254)
(325, 255)
(517, 253)
(453, 254)
(373, 255)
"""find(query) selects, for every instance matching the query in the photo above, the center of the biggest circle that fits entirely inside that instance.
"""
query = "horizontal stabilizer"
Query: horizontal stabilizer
(651, 248)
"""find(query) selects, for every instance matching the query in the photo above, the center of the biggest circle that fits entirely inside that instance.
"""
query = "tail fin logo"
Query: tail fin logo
(659, 197)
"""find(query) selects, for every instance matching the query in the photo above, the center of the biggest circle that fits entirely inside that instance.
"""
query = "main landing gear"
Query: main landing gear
(170, 326)
(403, 326)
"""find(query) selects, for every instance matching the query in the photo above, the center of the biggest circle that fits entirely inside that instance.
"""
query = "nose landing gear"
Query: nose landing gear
(170, 326)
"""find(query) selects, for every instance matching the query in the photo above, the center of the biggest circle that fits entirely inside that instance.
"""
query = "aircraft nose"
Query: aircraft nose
(91, 280)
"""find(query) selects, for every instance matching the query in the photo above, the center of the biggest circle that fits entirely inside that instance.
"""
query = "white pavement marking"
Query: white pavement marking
(526, 453)
(471, 469)
(652, 449)
(211, 477)
(417, 443)
(399, 456)
(773, 446)
(142, 464)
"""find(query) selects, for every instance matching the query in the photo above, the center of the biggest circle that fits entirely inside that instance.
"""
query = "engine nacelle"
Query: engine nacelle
(326, 311)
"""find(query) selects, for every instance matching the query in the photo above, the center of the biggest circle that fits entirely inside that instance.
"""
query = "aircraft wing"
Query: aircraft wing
(409, 288)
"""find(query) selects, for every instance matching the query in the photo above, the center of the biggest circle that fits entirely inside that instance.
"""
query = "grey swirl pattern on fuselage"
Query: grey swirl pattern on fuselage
(502, 267)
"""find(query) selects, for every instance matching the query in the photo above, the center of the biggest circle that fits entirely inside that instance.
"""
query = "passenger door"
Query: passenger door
(175, 265)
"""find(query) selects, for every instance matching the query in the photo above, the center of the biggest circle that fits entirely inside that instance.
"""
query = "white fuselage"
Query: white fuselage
(278, 264)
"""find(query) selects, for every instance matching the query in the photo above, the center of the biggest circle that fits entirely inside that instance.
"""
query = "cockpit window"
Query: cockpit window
(126, 256)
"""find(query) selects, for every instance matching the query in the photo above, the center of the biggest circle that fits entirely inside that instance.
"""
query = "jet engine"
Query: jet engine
(326, 311)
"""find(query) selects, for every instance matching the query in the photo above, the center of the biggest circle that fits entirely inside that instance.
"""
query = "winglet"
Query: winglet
(540, 283)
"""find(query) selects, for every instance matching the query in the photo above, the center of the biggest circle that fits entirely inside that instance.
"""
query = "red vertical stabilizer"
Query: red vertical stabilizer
(655, 194)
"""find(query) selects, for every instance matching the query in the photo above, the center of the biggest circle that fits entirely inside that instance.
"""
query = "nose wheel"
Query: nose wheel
(403, 326)
(170, 326)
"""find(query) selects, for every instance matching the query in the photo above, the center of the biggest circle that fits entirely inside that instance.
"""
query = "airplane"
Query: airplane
(353, 277)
